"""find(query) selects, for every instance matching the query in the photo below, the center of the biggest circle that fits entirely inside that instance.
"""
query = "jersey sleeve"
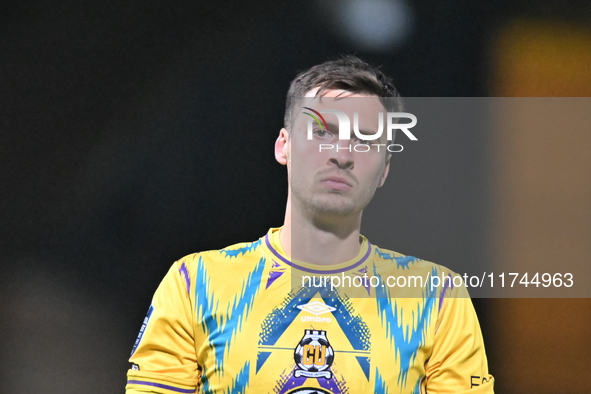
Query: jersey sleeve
(458, 363)
(163, 357)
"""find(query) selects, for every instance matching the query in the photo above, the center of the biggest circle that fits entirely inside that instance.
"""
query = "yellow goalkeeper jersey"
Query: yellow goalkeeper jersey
(239, 320)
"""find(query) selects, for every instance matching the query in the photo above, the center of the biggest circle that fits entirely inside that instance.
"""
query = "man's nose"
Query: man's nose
(342, 154)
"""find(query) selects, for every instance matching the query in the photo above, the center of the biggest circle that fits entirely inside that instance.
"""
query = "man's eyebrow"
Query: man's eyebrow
(331, 126)
(334, 127)
(368, 132)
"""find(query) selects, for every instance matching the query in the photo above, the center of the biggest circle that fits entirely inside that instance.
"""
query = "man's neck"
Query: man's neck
(320, 240)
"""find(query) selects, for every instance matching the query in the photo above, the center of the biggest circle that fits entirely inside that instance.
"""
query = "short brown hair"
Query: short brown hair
(347, 73)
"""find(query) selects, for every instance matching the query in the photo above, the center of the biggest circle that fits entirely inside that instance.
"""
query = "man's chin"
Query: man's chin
(344, 207)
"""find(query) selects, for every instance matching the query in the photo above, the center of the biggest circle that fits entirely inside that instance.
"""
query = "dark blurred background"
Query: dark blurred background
(136, 132)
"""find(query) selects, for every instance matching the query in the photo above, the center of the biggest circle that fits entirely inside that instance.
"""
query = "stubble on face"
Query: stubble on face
(308, 168)
(318, 200)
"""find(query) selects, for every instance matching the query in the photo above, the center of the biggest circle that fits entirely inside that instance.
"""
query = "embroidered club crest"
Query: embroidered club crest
(313, 355)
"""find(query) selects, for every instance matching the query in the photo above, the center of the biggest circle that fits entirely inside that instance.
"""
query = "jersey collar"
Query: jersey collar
(274, 245)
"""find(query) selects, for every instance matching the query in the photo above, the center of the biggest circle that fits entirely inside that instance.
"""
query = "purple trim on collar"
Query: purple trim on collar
(313, 271)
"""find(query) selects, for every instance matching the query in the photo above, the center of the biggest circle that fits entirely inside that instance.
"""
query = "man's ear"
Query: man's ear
(281, 146)
(386, 170)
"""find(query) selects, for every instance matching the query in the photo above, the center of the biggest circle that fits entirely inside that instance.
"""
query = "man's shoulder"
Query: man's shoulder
(411, 274)
(238, 253)
(391, 259)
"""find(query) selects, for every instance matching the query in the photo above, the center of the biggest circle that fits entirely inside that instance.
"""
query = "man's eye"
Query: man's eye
(320, 133)
(363, 142)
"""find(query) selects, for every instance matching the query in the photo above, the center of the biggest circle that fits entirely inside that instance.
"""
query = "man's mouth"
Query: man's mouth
(337, 183)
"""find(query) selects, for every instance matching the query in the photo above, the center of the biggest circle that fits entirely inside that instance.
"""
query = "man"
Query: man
(268, 316)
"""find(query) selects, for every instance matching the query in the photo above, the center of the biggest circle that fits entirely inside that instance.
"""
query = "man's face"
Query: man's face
(329, 180)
